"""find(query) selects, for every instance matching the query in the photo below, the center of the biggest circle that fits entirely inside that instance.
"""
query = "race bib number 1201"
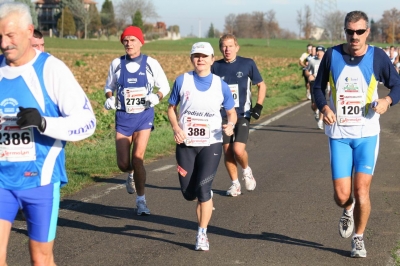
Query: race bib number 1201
(350, 109)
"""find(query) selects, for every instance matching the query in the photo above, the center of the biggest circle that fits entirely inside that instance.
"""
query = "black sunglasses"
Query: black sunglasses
(351, 32)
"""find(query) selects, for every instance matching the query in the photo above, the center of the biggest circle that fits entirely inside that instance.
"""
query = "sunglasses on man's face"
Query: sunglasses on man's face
(351, 32)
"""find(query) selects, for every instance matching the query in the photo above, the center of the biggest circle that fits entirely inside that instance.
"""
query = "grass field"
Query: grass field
(89, 60)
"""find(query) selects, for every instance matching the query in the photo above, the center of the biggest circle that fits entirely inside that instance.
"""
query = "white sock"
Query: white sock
(130, 175)
(350, 211)
(358, 236)
(139, 198)
(236, 182)
(201, 230)
(247, 169)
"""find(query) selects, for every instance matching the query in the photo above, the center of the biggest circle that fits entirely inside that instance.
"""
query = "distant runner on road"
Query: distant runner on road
(352, 120)
(198, 131)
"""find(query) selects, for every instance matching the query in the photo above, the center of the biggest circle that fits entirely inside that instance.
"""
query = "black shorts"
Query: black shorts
(197, 167)
(241, 132)
(311, 91)
(305, 77)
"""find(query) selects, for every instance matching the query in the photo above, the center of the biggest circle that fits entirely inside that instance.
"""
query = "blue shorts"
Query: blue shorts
(127, 124)
(358, 154)
(40, 206)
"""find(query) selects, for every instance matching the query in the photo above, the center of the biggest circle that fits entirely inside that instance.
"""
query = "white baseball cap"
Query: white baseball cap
(202, 48)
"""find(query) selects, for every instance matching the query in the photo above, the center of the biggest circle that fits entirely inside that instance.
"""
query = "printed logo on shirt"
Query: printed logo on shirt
(86, 105)
(84, 129)
(30, 174)
(141, 74)
(187, 94)
(239, 74)
(347, 79)
(132, 80)
(350, 88)
(9, 106)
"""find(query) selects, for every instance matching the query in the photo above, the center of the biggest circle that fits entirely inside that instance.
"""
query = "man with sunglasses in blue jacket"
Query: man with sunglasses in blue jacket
(351, 116)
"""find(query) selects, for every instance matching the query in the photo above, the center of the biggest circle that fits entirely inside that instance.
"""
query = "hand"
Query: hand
(256, 111)
(152, 99)
(380, 106)
(179, 135)
(329, 116)
(110, 103)
(228, 129)
(30, 117)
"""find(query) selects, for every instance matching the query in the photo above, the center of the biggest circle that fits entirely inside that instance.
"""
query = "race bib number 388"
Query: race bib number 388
(197, 131)
(15, 144)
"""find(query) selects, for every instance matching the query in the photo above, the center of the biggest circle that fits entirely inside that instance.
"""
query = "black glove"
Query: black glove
(256, 111)
(30, 117)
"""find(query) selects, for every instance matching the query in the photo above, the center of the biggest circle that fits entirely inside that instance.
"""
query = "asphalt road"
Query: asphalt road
(290, 219)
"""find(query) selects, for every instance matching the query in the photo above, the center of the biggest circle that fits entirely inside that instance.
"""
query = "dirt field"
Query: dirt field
(91, 70)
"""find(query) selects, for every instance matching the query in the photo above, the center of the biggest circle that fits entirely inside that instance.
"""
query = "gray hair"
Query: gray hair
(355, 16)
(20, 9)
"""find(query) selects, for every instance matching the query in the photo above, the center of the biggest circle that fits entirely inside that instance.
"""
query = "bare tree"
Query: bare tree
(299, 20)
(230, 23)
(127, 9)
(333, 24)
(305, 21)
(258, 25)
(307, 26)
(81, 12)
(272, 25)
(254, 25)
(390, 23)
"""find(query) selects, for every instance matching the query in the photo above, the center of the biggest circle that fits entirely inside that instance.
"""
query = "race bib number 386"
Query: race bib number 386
(15, 144)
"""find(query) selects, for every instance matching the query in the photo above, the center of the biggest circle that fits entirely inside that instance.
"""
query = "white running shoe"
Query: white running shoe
(320, 124)
(202, 243)
(346, 223)
(249, 180)
(358, 248)
(142, 208)
(234, 190)
(316, 115)
(130, 184)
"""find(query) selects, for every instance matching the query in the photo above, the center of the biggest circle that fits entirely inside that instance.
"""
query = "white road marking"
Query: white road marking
(166, 167)
(254, 128)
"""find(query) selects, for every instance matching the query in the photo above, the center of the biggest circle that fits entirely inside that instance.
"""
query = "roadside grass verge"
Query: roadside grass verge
(396, 254)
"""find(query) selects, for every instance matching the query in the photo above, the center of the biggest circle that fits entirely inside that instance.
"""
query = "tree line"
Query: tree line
(265, 25)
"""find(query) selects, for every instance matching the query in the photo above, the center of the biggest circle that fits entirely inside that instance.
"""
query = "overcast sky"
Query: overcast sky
(197, 16)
